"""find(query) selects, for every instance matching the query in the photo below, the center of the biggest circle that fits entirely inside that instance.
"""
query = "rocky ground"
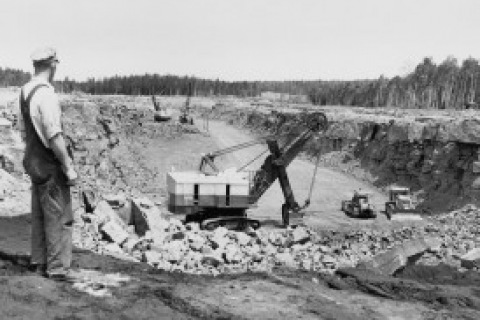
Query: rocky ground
(124, 234)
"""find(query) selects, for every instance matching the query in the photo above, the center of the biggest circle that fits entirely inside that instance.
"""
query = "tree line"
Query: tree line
(13, 77)
(448, 85)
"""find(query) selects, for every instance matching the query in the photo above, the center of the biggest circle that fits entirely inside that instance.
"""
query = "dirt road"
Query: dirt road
(331, 187)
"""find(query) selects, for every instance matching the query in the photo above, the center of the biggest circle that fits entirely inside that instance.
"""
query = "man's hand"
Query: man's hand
(57, 144)
(72, 176)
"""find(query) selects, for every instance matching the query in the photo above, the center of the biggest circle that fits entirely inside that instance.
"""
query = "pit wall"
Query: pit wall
(436, 155)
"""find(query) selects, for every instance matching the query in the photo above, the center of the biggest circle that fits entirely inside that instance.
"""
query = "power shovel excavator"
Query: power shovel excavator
(221, 198)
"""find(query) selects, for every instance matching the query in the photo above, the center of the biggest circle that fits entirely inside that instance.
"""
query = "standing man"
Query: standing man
(50, 168)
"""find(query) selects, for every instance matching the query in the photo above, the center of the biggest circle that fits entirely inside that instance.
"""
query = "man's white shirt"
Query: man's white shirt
(45, 111)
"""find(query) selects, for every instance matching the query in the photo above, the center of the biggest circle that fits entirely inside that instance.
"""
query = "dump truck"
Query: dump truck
(400, 203)
(221, 198)
(359, 206)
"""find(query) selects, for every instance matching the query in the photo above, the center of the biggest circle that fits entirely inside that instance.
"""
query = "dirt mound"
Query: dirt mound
(441, 274)
(439, 295)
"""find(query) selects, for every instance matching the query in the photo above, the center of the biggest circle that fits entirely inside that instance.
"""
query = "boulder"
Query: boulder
(268, 250)
(192, 260)
(115, 200)
(157, 237)
(174, 251)
(90, 200)
(219, 242)
(300, 235)
(114, 232)
(196, 241)
(175, 225)
(105, 213)
(113, 248)
(130, 244)
(329, 260)
(242, 238)
(232, 253)
(211, 260)
(286, 259)
(471, 259)
(146, 216)
(178, 235)
(219, 238)
(389, 262)
(125, 212)
(152, 257)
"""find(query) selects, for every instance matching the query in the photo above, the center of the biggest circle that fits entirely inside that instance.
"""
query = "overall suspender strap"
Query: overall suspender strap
(30, 95)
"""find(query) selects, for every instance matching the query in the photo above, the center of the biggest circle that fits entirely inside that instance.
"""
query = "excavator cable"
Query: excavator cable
(312, 183)
(253, 160)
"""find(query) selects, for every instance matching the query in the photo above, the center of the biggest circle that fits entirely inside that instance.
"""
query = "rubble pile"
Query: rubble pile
(459, 235)
(137, 230)
(143, 234)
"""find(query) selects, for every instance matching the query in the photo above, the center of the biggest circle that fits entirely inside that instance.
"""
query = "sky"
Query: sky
(238, 40)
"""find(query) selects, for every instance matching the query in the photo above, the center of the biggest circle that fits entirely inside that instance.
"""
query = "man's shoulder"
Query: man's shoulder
(46, 88)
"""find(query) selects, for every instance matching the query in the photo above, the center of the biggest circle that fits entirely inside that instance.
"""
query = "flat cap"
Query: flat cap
(44, 54)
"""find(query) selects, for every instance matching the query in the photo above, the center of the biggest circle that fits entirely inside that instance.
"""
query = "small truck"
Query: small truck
(359, 206)
(400, 204)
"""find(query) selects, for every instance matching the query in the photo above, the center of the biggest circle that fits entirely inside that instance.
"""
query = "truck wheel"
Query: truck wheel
(285, 215)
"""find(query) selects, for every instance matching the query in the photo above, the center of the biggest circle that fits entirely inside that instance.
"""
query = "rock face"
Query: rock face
(435, 152)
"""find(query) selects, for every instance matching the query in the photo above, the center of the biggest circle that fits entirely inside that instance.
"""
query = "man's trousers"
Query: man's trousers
(52, 221)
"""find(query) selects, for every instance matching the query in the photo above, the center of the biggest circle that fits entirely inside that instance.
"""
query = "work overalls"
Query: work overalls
(52, 216)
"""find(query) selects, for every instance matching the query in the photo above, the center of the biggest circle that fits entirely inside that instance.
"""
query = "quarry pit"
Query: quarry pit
(130, 251)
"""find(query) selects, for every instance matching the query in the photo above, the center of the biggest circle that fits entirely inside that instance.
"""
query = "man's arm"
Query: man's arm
(52, 130)
(59, 148)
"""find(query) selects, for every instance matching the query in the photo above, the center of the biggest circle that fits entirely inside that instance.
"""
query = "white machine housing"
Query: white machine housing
(228, 189)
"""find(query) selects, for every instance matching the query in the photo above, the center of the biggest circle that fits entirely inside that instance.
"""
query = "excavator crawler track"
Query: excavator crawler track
(237, 223)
